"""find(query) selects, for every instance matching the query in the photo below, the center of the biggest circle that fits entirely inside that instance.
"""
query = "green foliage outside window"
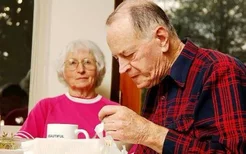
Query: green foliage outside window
(216, 24)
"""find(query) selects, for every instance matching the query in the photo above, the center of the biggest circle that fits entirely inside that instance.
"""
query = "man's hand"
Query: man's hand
(125, 125)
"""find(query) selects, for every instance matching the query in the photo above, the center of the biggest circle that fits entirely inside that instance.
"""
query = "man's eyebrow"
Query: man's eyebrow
(120, 53)
(123, 52)
(115, 56)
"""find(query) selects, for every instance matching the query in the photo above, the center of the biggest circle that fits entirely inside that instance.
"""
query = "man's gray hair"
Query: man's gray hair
(79, 45)
(145, 16)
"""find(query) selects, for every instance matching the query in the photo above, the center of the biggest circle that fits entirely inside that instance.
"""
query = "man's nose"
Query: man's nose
(124, 65)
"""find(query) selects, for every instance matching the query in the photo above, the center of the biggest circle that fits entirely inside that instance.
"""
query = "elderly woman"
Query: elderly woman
(81, 69)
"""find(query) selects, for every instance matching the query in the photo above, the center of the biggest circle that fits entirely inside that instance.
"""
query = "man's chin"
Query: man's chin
(143, 85)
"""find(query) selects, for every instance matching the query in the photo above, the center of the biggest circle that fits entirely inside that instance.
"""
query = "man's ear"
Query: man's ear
(162, 35)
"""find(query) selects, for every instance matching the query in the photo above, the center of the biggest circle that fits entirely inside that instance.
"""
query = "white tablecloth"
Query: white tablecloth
(62, 146)
(3, 151)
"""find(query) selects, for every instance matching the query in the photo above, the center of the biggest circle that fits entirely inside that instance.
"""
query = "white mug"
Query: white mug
(67, 131)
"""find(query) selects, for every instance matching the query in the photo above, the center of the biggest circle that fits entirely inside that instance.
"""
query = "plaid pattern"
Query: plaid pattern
(201, 102)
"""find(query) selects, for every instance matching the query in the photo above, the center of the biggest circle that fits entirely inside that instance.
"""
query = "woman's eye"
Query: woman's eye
(73, 62)
(87, 61)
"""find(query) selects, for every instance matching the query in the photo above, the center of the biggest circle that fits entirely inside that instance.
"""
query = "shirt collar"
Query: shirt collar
(180, 69)
(83, 100)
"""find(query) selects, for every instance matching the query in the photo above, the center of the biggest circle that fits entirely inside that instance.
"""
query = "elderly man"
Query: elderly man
(196, 97)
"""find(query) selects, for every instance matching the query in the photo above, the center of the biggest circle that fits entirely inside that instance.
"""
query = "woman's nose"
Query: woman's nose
(80, 68)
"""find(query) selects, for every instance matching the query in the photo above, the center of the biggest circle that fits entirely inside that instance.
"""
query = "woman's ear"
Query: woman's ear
(162, 35)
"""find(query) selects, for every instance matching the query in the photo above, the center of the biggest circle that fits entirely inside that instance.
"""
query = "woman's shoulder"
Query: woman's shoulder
(47, 104)
(107, 101)
(52, 100)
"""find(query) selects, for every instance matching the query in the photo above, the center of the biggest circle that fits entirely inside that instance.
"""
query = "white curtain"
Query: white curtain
(40, 51)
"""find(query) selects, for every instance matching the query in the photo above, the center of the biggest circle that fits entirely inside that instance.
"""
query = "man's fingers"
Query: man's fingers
(115, 134)
(107, 111)
(111, 126)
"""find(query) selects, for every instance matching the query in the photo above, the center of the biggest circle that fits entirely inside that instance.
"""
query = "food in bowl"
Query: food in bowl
(9, 142)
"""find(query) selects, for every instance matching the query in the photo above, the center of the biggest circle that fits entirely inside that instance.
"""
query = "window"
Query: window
(215, 24)
(16, 23)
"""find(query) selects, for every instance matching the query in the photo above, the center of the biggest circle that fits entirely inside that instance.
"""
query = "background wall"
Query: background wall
(57, 22)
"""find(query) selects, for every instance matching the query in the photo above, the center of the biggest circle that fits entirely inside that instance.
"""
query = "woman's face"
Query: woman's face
(80, 71)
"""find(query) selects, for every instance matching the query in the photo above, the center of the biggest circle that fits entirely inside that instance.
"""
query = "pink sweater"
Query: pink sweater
(64, 109)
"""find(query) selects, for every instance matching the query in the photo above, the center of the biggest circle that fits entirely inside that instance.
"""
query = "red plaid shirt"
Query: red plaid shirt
(202, 101)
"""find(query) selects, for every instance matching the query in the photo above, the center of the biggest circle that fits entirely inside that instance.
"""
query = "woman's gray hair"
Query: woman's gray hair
(79, 45)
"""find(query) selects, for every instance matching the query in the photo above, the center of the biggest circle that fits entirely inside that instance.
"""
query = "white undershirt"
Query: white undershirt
(83, 101)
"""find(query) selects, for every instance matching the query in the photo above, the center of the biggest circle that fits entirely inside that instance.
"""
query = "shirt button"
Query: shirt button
(163, 98)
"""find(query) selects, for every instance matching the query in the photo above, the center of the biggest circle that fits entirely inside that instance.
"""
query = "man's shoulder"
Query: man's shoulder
(215, 57)
(215, 60)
